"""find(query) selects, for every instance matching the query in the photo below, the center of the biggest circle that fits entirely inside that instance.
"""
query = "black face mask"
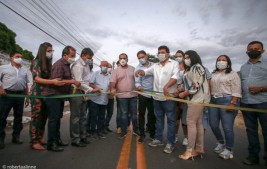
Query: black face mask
(253, 54)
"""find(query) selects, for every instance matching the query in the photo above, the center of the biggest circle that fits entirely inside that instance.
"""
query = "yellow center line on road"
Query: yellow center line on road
(125, 152)
(140, 155)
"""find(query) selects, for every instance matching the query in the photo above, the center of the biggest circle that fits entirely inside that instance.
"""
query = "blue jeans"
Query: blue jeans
(55, 112)
(251, 121)
(168, 108)
(97, 113)
(128, 107)
(217, 115)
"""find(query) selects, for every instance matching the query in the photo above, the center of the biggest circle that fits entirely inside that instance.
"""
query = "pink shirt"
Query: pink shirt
(124, 81)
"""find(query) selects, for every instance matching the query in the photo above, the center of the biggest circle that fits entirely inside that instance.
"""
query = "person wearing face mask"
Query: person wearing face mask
(60, 70)
(13, 80)
(196, 89)
(80, 72)
(122, 82)
(41, 68)
(165, 82)
(254, 95)
(225, 90)
(98, 103)
(145, 102)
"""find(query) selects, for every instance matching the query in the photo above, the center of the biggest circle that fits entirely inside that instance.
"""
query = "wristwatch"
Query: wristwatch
(233, 102)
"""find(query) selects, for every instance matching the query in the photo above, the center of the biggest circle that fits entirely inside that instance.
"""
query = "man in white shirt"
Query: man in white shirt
(80, 72)
(165, 78)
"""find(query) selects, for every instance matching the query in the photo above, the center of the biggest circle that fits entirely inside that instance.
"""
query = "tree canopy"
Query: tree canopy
(8, 42)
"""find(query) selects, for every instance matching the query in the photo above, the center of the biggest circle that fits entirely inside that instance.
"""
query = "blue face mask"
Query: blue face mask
(88, 61)
(104, 69)
(142, 61)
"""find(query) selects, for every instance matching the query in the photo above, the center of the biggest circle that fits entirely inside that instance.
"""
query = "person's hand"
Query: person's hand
(183, 94)
(77, 84)
(139, 73)
(140, 89)
(166, 92)
(27, 102)
(2, 91)
(113, 92)
(58, 82)
(254, 89)
(97, 90)
(230, 105)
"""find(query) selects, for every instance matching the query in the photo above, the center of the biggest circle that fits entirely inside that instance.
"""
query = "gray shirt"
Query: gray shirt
(253, 75)
(13, 79)
(101, 81)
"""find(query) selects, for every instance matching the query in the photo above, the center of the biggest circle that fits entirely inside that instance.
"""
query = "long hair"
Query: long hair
(229, 65)
(194, 57)
(46, 63)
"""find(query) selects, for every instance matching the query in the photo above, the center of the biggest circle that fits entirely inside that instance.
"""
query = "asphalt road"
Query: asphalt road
(105, 153)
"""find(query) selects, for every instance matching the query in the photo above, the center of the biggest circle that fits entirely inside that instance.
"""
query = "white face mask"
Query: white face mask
(109, 70)
(71, 60)
(88, 61)
(18, 60)
(49, 55)
(123, 62)
(221, 65)
(179, 59)
(187, 62)
(161, 57)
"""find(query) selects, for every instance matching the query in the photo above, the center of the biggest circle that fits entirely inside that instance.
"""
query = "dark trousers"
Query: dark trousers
(252, 121)
(146, 103)
(6, 103)
(109, 114)
(55, 113)
(97, 117)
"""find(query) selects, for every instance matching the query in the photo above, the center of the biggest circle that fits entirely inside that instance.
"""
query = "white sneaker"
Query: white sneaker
(185, 141)
(155, 143)
(226, 154)
(169, 148)
(219, 148)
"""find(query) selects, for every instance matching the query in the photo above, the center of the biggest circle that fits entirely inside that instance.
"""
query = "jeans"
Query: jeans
(168, 108)
(88, 117)
(97, 117)
(251, 121)
(109, 114)
(77, 118)
(6, 103)
(55, 112)
(227, 119)
(146, 103)
(128, 107)
(118, 119)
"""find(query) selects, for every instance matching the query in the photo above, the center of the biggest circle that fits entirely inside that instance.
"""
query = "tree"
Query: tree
(8, 43)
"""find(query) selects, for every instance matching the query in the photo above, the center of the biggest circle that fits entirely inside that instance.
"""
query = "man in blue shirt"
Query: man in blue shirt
(254, 95)
(145, 102)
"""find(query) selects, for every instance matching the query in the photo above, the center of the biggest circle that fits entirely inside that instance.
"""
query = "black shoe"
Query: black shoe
(141, 139)
(85, 141)
(104, 132)
(79, 144)
(137, 133)
(2, 144)
(54, 147)
(122, 136)
(101, 136)
(17, 140)
(61, 143)
(108, 130)
(251, 160)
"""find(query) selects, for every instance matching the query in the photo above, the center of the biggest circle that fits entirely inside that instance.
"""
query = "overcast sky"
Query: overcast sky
(210, 27)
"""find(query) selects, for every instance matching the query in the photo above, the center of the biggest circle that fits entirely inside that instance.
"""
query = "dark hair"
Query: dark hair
(194, 57)
(141, 52)
(67, 49)
(179, 51)
(13, 53)
(165, 48)
(256, 42)
(46, 63)
(229, 65)
(123, 54)
(87, 51)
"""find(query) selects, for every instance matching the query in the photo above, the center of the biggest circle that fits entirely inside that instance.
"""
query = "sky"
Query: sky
(111, 27)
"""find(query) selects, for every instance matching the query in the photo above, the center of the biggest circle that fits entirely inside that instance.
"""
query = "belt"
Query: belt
(14, 92)
(220, 95)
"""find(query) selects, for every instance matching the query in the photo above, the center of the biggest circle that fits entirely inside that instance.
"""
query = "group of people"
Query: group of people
(145, 88)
